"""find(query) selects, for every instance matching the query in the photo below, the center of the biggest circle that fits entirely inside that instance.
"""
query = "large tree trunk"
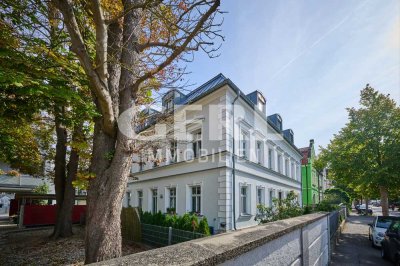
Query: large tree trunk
(105, 193)
(63, 227)
(112, 155)
(384, 200)
(59, 163)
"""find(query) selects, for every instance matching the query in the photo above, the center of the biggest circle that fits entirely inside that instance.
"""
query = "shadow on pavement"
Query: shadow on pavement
(354, 248)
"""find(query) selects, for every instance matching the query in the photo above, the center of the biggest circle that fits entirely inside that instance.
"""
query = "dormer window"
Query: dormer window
(169, 104)
(279, 123)
(261, 103)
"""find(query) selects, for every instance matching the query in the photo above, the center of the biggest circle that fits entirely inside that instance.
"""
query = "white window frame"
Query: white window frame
(173, 147)
(197, 197)
(169, 104)
(128, 198)
(244, 203)
(271, 197)
(293, 172)
(140, 198)
(244, 140)
(270, 154)
(259, 151)
(280, 195)
(196, 143)
(279, 162)
(286, 166)
(154, 200)
(260, 198)
(170, 197)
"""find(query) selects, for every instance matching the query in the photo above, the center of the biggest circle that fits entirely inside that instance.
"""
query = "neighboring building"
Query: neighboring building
(324, 183)
(23, 183)
(310, 178)
(219, 157)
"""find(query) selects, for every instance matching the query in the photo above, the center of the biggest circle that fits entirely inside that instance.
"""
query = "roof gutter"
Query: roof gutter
(233, 160)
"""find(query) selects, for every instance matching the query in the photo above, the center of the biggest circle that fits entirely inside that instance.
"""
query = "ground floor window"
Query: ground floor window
(196, 199)
(260, 196)
(280, 196)
(154, 206)
(128, 199)
(271, 197)
(140, 198)
(172, 198)
(244, 208)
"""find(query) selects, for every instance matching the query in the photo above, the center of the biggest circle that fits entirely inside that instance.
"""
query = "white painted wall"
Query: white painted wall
(215, 116)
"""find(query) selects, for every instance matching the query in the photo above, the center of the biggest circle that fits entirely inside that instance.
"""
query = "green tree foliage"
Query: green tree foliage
(337, 196)
(41, 189)
(365, 154)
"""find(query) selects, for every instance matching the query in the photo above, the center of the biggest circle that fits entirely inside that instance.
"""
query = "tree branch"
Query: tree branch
(181, 48)
(98, 87)
(101, 40)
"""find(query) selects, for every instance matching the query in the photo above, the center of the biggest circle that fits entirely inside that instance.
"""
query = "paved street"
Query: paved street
(378, 211)
(354, 247)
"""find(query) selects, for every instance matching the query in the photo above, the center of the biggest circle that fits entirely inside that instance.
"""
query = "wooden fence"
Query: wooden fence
(130, 224)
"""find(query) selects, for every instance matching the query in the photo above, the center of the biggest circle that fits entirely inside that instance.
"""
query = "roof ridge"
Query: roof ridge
(206, 83)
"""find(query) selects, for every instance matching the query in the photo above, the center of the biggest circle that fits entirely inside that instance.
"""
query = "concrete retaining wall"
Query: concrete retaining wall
(301, 240)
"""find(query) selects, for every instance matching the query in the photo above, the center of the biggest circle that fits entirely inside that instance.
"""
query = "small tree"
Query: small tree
(41, 189)
(365, 154)
(281, 209)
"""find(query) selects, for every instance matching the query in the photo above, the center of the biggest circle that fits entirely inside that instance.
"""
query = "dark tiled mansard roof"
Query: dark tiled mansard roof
(214, 84)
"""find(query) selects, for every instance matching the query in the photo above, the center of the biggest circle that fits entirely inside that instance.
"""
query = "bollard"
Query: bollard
(169, 235)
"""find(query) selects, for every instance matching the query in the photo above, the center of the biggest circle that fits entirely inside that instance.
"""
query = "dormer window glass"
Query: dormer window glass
(169, 104)
(279, 123)
(260, 106)
(261, 103)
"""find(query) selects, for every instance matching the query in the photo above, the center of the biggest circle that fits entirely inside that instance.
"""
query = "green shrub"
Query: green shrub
(326, 206)
(203, 227)
(186, 222)
(281, 209)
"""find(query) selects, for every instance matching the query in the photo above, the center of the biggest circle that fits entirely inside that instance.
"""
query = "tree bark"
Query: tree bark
(384, 200)
(63, 227)
(114, 93)
(59, 162)
(105, 193)
(112, 155)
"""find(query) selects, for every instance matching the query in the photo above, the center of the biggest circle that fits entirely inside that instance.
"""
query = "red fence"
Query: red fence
(46, 214)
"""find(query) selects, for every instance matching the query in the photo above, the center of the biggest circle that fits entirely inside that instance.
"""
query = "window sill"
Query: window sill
(245, 215)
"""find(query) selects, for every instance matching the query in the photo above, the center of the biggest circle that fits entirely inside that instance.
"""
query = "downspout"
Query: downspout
(306, 166)
(233, 160)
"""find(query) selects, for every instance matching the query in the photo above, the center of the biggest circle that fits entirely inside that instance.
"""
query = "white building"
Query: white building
(201, 163)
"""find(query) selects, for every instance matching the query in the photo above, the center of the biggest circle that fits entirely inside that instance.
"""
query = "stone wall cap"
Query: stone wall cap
(218, 248)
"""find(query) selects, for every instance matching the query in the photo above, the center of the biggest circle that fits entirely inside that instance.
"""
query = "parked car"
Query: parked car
(391, 243)
(378, 227)
(376, 204)
(362, 209)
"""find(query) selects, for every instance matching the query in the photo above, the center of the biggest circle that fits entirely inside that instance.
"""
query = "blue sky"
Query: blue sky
(309, 58)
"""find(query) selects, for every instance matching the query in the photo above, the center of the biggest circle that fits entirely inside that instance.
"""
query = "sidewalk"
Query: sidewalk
(354, 248)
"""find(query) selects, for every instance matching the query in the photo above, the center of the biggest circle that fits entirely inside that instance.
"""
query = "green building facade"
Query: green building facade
(309, 176)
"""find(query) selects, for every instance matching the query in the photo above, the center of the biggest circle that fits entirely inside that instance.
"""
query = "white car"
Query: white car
(378, 228)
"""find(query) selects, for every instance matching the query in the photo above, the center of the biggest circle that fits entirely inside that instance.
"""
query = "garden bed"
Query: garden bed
(34, 247)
